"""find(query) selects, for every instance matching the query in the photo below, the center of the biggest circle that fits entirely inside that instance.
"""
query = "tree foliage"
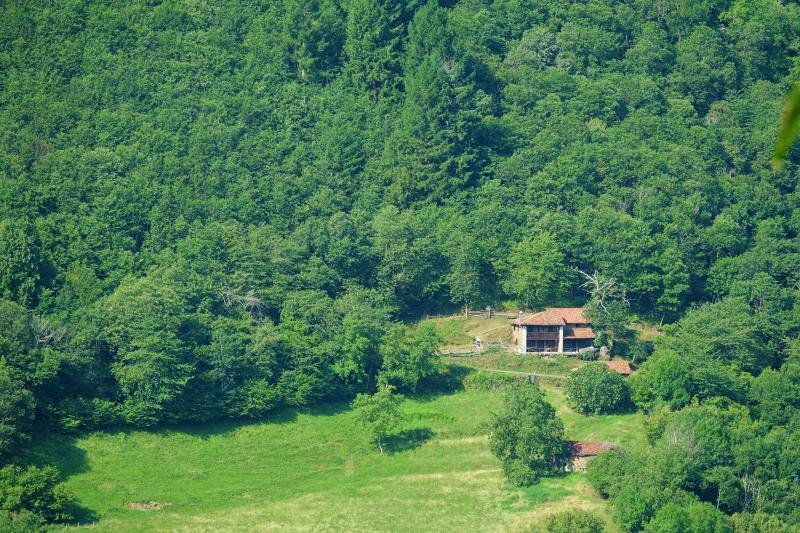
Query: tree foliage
(378, 414)
(217, 209)
(16, 411)
(527, 436)
(695, 517)
(596, 389)
(33, 490)
(576, 520)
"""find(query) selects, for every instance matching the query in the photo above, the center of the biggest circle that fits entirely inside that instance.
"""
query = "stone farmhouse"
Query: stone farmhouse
(554, 330)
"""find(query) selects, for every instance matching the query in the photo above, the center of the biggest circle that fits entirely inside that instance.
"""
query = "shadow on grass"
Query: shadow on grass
(448, 380)
(220, 427)
(213, 428)
(327, 409)
(82, 515)
(61, 451)
(407, 440)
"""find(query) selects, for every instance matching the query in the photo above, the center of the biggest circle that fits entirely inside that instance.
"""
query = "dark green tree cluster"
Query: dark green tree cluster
(527, 436)
(723, 427)
(215, 209)
(596, 389)
(30, 496)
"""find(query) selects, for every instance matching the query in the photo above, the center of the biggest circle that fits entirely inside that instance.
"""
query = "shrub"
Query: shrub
(668, 378)
(638, 501)
(447, 378)
(607, 472)
(489, 381)
(574, 521)
(256, 399)
(693, 517)
(664, 378)
(639, 484)
(638, 351)
(74, 414)
(21, 522)
(596, 389)
(36, 490)
(527, 436)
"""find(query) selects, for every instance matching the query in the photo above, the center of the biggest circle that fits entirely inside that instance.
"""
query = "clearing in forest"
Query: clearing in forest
(313, 470)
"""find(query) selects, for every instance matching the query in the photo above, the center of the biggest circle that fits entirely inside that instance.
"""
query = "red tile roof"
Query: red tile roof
(619, 365)
(579, 333)
(585, 448)
(553, 316)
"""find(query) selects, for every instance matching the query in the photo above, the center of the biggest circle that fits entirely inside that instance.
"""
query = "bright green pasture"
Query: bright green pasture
(312, 470)
(458, 333)
(558, 365)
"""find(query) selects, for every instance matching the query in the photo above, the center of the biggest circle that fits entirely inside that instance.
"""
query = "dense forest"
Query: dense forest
(212, 209)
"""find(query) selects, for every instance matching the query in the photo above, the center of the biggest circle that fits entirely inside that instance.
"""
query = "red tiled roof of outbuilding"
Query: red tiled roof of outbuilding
(619, 365)
(585, 448)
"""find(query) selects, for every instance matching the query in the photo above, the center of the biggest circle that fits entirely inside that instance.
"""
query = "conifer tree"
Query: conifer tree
(374, 46)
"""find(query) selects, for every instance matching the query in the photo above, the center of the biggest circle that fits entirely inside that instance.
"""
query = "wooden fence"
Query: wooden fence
(479, 313)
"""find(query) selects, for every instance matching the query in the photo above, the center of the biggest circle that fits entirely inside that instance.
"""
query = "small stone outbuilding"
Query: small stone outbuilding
(583, 452)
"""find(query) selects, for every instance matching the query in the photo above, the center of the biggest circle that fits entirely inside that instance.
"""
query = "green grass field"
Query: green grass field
(313, 471)
(558, 365)
(458, 333)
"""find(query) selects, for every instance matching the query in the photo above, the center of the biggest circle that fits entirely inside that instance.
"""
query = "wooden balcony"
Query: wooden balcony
(542, 335)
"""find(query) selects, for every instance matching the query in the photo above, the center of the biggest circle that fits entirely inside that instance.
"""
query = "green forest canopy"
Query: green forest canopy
(210, 209)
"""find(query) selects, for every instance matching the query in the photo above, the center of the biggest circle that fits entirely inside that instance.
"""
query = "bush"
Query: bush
(574, 521)
(21, 522)
(663, 379)
(527, 436)
(638, 484)
(694, 517)
(74, 414)
(638, 501)
(36, 490)
(596, 389)
(256, 399)
(447, 378)
(490, 381)
(674, 380)
(607, 472)
(638, 351)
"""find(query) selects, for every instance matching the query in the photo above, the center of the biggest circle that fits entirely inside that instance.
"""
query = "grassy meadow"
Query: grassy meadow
(458, 333)
(556, 365)
(312, 470)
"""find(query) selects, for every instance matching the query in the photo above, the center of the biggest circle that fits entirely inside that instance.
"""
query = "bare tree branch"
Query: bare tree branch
(44, 334)
(602, 288)
(250, 303)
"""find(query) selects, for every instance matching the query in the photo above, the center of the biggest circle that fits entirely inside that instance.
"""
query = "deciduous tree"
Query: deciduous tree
(527, 436)
(378, 414)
